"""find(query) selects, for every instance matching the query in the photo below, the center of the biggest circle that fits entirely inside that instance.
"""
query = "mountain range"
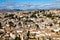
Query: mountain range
(17, 10)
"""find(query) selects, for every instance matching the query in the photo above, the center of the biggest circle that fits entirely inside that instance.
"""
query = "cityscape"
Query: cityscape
(23, 21)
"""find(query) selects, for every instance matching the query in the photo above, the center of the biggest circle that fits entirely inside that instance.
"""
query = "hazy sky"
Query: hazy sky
(28, 4)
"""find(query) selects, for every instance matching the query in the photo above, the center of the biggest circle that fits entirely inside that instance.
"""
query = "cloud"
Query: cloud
(57, 0)
(30, 6)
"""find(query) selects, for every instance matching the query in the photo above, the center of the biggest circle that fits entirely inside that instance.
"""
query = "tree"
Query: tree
(17, 38)
(49, 15)
(33, 16)
(19, 24)
(1, 33)
(11, 16)
(49, 38)
(52, 30)
(28, 34)
(51, 24)
(0, 25)
(11, 23)
(37, 26)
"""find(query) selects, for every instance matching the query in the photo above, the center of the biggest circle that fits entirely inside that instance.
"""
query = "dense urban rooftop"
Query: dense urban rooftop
(34, 25)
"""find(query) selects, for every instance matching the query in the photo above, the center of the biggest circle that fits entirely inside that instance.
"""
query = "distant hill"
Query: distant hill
(17, 10)
(10, 10)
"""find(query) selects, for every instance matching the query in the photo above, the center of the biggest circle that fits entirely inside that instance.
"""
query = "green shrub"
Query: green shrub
(17, 38)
